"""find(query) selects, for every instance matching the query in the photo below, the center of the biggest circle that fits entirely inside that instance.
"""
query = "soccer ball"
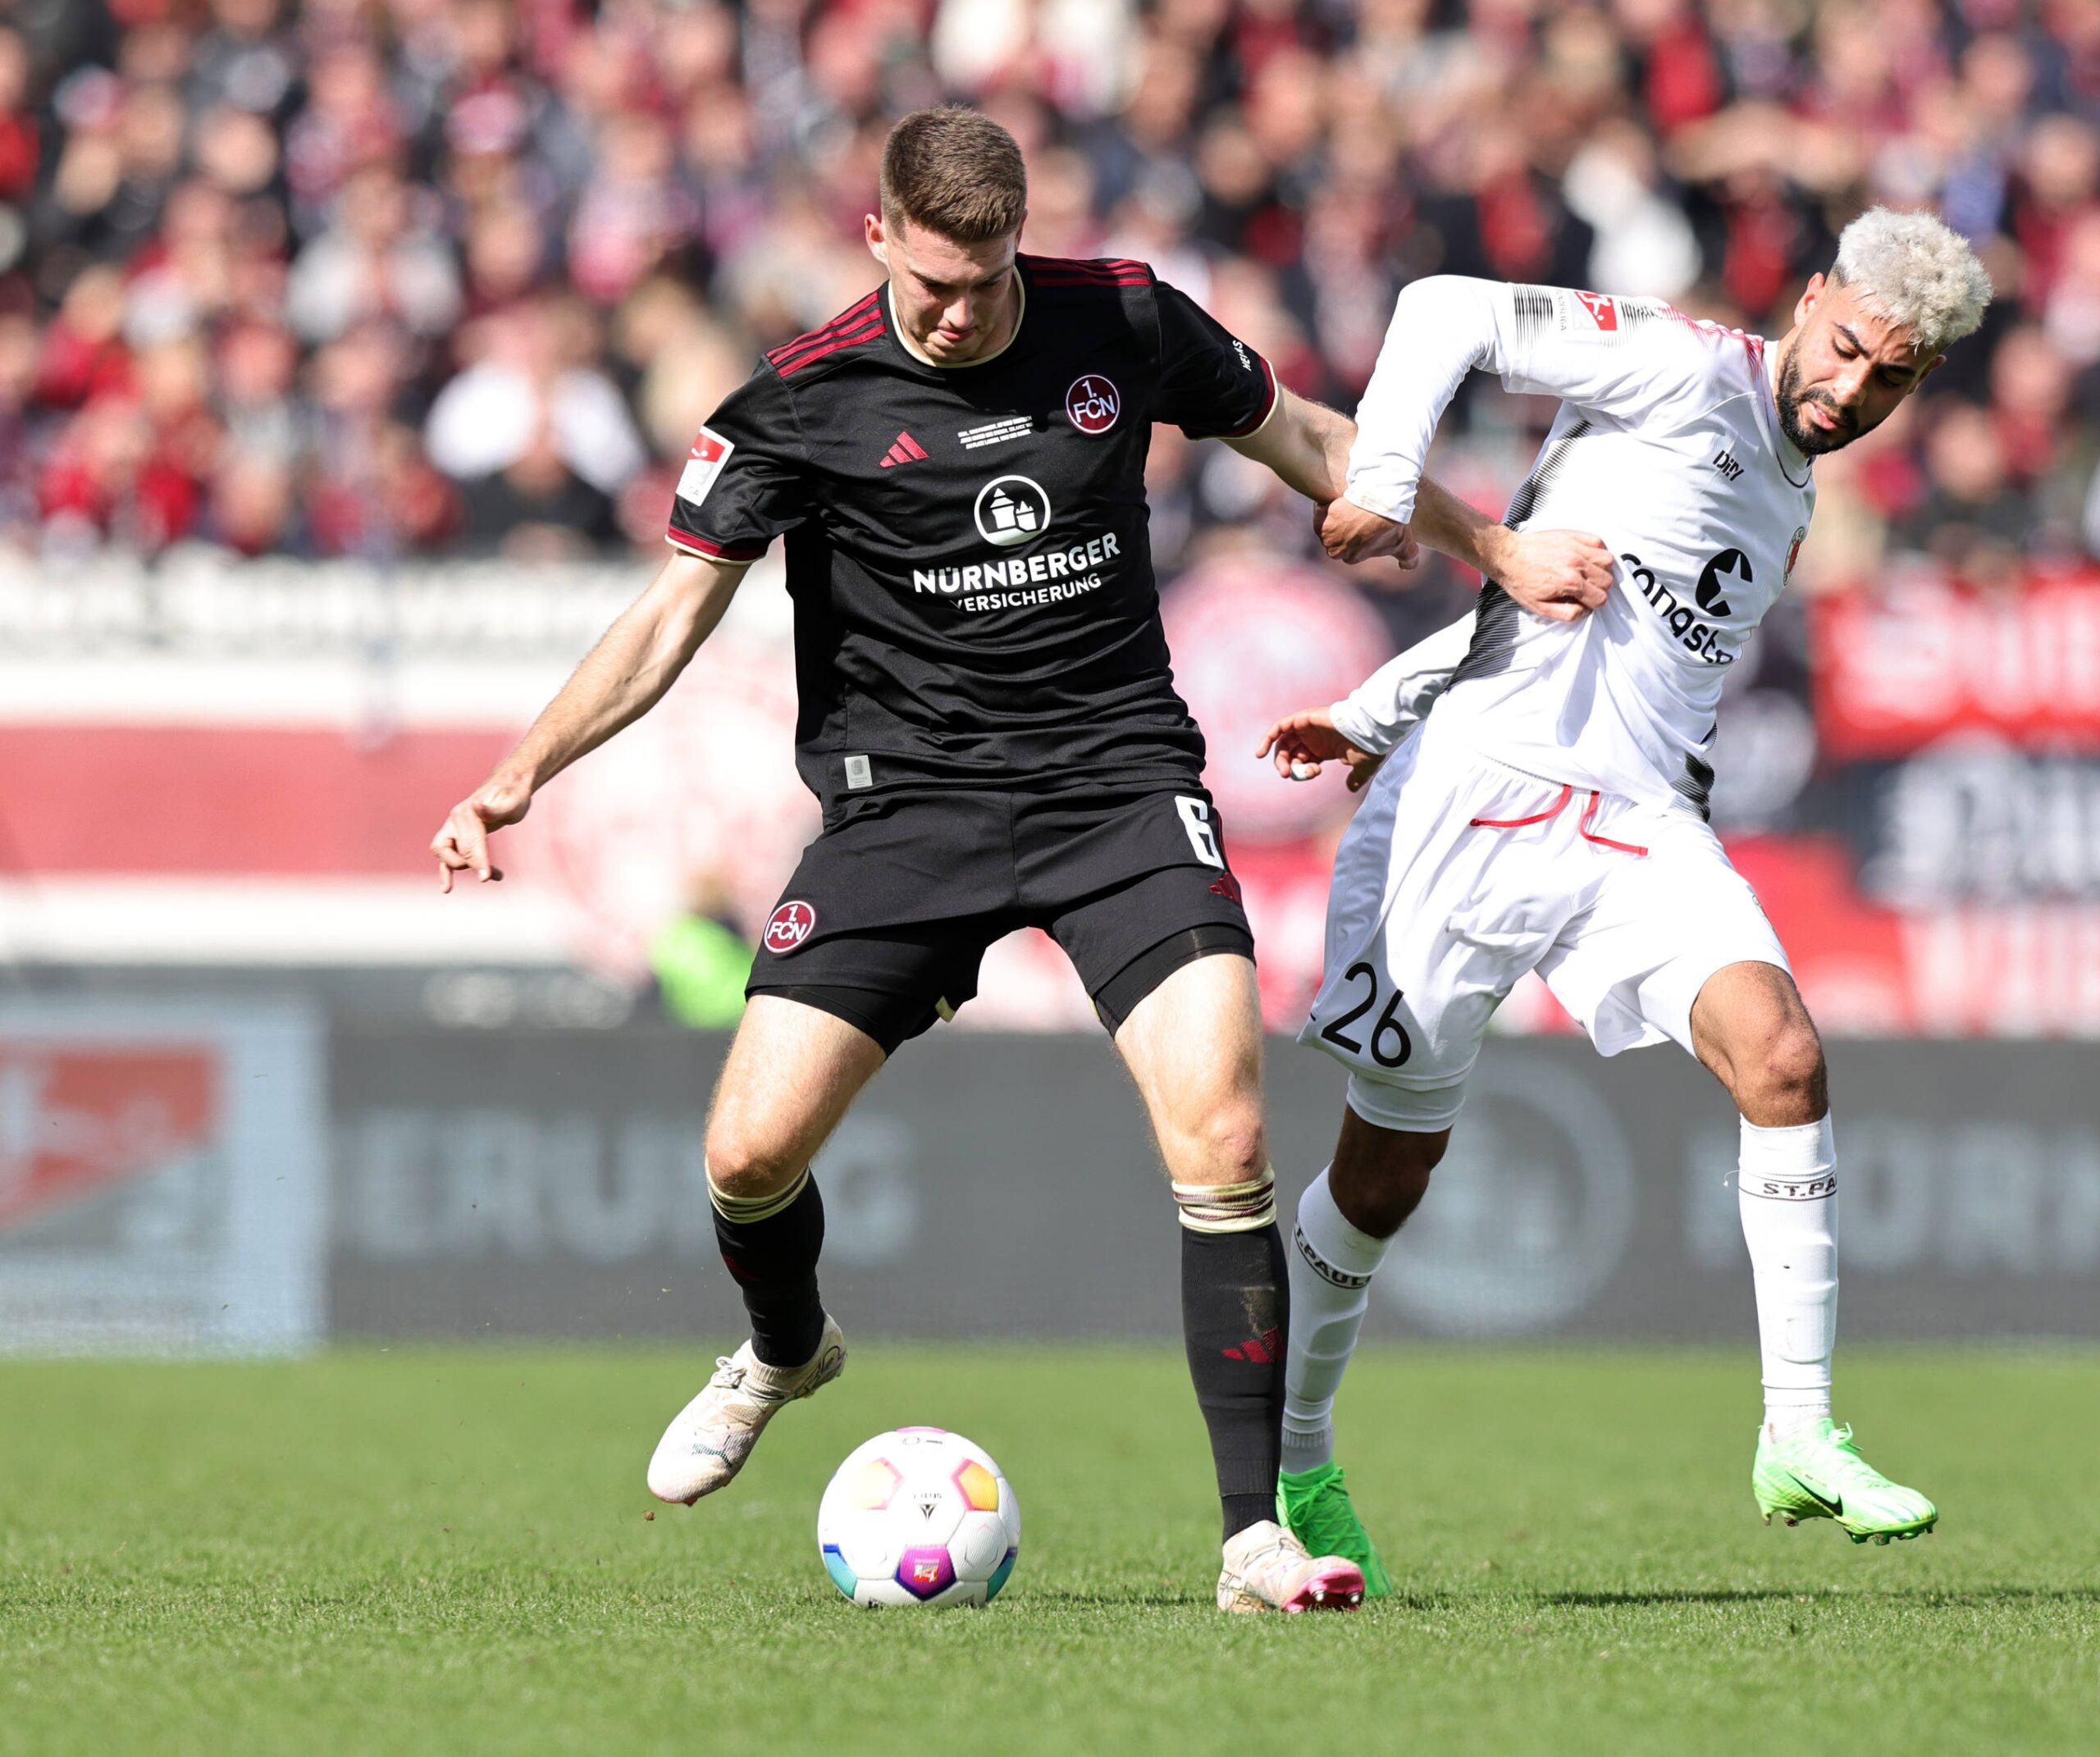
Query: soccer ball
(918, 1516)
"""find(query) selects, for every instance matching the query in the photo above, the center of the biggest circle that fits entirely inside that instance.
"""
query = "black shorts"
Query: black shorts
(887, 917)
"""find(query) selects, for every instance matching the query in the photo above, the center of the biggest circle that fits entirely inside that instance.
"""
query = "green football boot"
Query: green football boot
(1315, 1504)
(1816, 1472)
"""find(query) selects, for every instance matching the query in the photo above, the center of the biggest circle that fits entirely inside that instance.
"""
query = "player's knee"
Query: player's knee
(1788, 1078)
(1232, 1144)
(745, 1162)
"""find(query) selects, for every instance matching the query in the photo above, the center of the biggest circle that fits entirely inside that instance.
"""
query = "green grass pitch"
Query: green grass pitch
(445, 1550)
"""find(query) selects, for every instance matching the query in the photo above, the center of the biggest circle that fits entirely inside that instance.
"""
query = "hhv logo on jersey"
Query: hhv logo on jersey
(1011, 509)
(710, 452)
(1092, 404)
(1602, 311)
(791, 923)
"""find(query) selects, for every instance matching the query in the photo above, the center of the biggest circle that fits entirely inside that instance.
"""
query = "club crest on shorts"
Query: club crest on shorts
(791, 923)
(1092, 404)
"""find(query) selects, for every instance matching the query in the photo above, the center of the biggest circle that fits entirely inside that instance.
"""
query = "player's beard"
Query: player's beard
(1809, 441)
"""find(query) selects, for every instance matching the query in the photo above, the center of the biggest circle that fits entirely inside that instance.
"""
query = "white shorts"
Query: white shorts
(1458, 875)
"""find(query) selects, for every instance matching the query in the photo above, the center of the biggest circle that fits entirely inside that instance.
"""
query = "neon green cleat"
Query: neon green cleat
(1817, 1473)
(1315, 1504)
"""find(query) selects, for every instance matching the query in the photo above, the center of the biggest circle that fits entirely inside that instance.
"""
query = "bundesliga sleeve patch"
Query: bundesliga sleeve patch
(710, 451)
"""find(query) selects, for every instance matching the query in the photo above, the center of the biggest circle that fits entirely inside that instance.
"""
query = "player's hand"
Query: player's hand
(1560, 575)
(1303, 741)
(462, 844)
(1348, 533)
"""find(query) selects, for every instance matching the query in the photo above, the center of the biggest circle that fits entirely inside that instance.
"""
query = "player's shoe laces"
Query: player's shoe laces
(709, 1440)
(1816, 1472)
(1267, 1569)
(1315, 1504)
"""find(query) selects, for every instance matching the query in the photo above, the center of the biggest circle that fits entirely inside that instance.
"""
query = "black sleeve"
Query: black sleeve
(1211, 385)
(744, 482)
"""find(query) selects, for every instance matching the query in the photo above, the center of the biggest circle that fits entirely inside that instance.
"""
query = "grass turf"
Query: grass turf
(445, 1550)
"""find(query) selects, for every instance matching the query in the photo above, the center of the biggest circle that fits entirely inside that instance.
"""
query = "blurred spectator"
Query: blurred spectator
(387, 277)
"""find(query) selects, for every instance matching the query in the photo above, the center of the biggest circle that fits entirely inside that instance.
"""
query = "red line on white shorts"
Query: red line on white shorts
(1553, 810)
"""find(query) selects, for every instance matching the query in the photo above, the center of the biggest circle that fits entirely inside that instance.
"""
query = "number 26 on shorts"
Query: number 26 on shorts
(1390, 1045)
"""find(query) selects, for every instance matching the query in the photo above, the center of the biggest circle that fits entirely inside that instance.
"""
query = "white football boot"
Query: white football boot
(709, 1440)
(1267, 1569)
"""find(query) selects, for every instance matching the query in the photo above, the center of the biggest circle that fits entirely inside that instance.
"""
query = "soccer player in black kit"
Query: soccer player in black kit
(988, 715)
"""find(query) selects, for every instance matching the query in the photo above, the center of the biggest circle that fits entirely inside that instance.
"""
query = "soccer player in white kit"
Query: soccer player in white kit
(1551, 814)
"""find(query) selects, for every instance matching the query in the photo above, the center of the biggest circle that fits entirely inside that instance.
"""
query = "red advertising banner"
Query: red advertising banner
(1902, 665)
(75, 1118)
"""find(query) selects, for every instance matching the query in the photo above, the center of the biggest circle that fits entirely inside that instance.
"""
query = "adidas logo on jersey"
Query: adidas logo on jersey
(903, 449)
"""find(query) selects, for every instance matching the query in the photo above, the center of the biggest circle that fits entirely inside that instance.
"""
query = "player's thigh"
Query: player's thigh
(1632, 967)
(791, 1071)
(1193, 1046)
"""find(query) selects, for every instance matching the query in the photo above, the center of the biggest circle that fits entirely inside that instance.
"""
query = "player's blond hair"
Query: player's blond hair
(1916, 271)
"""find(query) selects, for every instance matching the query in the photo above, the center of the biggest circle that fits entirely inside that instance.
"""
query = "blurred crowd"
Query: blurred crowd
(381, 277)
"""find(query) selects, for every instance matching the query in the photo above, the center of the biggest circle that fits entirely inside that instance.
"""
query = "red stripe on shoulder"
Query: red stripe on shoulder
(701, 545)
(1088, 280)
(1268, 401)
(852, 316)
(1117, 268)
(850, 338)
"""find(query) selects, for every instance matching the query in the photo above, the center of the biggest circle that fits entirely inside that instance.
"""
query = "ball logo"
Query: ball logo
(1092, 404)
(1011, 509)
(1603, 312)
(791, 923)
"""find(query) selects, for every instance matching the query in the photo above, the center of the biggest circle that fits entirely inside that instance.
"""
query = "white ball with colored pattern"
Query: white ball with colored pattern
(918, 1516)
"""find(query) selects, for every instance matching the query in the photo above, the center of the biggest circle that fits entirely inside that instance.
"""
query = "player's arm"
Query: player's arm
(1307, 443)
(1560, 575)
(1537, 339)
(1365, 724)
(621, 679)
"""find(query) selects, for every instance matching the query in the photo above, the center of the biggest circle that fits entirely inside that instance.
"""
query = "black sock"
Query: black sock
(1235, 1314)
(775, 1262)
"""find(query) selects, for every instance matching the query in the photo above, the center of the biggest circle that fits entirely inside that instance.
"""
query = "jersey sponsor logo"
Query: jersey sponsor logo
(1246, 359)
(1092, 404)
(1701, 639)
(793, 922)
(1604, 311)
(995, 432)
(1064, 573)
(1011, 509)
(710, 452)
(1726, 463)
(903, 449)
(1731, 566)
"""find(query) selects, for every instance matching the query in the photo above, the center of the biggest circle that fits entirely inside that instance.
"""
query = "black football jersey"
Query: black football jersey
(966, 548)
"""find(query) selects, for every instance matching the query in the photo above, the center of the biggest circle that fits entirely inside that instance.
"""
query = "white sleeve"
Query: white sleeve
(1377, 713)
(1618, 357)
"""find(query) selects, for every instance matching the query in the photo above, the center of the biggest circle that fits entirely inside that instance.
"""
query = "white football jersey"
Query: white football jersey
(1668, 446)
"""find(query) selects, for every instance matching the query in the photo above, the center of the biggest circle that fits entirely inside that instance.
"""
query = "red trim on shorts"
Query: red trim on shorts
(1553, 811)
(1583, 829)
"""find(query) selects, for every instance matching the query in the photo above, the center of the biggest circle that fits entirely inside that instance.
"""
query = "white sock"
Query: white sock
(1331, 1264)
(1786, 1188)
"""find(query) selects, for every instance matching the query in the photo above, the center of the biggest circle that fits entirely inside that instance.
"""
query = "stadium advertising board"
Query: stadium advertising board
(162, 1177)
(551, 1183)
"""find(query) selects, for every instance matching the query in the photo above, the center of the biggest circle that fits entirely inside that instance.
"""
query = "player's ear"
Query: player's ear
(1810, 294)
(878, 244)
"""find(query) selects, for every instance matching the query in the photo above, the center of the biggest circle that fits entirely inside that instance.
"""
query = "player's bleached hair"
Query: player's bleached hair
(1916, 271)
